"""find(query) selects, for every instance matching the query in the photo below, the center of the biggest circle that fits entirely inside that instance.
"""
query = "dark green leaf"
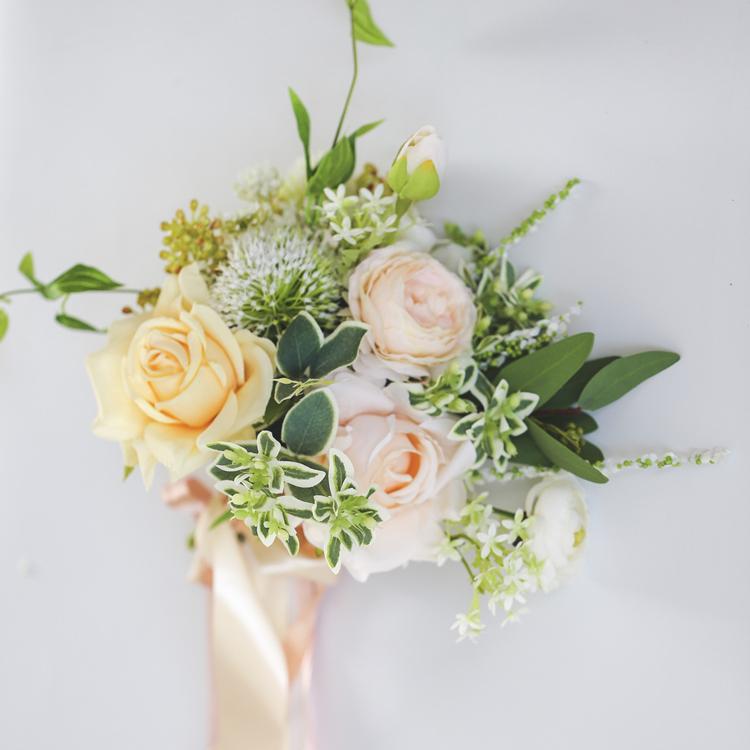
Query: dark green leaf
(339, 349)
(569, 394)
(528, 453)
(310, 425)
(334, 168)
(303, 125)
(298, 345)
(79, 278)
(283, 391)
(3, 323)
(75, 323)
(545, 371)
(591, 453)
(562, 456)
(622, 375)
(365, 28)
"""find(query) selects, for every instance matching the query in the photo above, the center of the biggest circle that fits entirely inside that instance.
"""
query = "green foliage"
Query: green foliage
(310, 425)
(545, 371)
(254, 477)
(445, 393)
(68, 321)
(78, 278)
(303, 349)
(345, 510)
(303, 126)
(492, 432)
(562, 456)
(569, 394)
(364, 27)
(622, 375)
(4, 321)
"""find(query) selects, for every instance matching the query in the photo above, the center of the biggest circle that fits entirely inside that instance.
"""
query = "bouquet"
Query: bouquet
(359, 387)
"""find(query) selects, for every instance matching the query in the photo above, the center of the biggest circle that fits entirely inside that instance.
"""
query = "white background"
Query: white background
(114, 114)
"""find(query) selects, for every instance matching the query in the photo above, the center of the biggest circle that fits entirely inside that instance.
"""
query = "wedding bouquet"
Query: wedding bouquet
(358, 384)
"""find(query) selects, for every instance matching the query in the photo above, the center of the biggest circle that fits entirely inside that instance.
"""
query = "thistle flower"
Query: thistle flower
(271, 276)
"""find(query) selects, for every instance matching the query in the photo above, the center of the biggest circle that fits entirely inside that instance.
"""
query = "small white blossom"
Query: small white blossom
(468, 625)
(344, 232)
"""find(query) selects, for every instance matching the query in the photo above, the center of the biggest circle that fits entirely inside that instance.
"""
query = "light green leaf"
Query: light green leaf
(622, 375)
(79, 278)
(298, 345)
(299, 475)
(26, 267)
(545, 371)
(4, 321)
(303, 125)
(336, 167)
(365, 28)
(76, 323)
(363, 129)
(339, 349)
(127, 471)
(223, 518)
(562, 456)
(569, 394)
(310, 425)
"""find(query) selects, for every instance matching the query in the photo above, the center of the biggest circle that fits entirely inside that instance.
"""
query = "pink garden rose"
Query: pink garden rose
(418, 472)
(421, 315)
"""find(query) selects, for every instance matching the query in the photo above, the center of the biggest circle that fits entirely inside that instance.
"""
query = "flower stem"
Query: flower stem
(503, 513)
(353, 83)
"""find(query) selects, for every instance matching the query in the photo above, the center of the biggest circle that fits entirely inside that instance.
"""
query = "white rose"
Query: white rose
(418, 472)
(418, 166)
(558, 529)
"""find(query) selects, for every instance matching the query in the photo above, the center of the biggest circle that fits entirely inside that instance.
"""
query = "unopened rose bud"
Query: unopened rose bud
(416, 171)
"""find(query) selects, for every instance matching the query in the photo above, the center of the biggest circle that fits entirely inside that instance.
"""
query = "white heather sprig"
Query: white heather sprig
(271, 276)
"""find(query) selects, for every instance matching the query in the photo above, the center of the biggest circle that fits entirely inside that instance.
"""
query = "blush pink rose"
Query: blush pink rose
(418, 472)
(420, 314)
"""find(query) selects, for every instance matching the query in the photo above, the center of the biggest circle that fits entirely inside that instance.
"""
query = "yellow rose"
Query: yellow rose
(420, 314)
(170, 382)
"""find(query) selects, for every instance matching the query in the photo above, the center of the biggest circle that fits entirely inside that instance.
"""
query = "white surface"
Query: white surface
(116, 113)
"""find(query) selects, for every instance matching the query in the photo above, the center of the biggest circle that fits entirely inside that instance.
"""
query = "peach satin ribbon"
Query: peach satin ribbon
(263, 609)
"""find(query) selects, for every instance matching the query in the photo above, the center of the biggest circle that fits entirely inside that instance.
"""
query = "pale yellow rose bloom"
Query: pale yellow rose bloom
(171, 381)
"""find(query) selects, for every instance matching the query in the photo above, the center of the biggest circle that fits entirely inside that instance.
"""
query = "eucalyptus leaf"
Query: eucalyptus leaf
(339, 349)
(298, 345)
(562, 456)
(569, 394)
(303, 124)
(365, 28)
(622, 375)
(76, 323)
(545, 371)
(4, 320)
(310, 425)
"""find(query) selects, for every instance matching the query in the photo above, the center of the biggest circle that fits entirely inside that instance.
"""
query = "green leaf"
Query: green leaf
(299, 475)
(545, 371)
(622, 375)
(75, 323)
(333, 553)
(303, 124)
(339, 349)
(363, 129)
(26, 267)
(79, 278)
(562, 419)
(298, 345)
(528, 453)
(223, 518)
(283, 391)
(127, 471)
(310, 425)
(562, 456)
(336, 166)
(337, 471)
(365, 28)
(4, 320)
(569, 394)
(591, 453)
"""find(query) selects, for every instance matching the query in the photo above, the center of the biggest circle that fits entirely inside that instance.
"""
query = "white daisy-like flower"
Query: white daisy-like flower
(468, 625)
(373, 201)
(338, 201)
(345, 232)
(491, 540)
